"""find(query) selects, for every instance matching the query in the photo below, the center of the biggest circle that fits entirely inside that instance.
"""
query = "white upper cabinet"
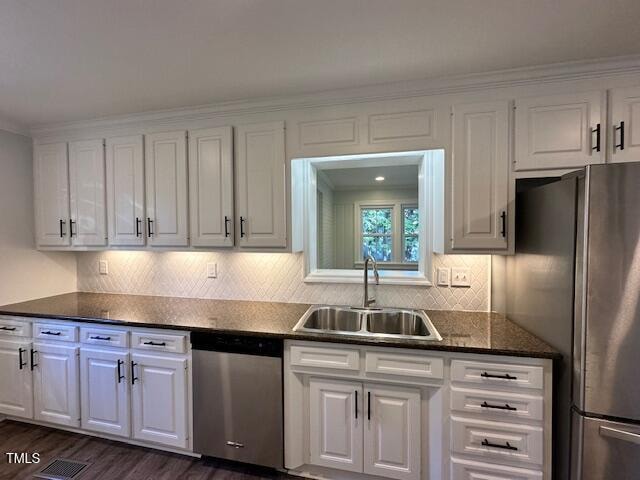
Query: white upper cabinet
(211, 187)
(51, 175)
(166, 182)
(88, 223)
(336, 421)
(125, 191)
(260, 185)
(392, 434)
(625, 125)
(56, 384)
(480, 173)
(16, 395)
(560, 131)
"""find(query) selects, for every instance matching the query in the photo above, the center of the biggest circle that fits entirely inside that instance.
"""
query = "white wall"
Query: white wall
(24, 272)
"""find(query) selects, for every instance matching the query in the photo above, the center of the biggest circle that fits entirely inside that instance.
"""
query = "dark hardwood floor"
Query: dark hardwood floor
(110, 459)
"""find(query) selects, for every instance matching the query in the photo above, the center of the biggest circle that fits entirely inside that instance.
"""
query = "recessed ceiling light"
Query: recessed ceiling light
(380, 179)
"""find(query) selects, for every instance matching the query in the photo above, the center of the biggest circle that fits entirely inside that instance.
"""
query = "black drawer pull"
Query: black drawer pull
(49, 332)
(596, 130)
(506, 446)
(138, 223)
(33, 363)
(149, 229)
(133, 373)
(242, 220)
(506, 406)
(619, 128)
(120, 375)
(62, 224)
(21, 364)
(98, 337)
(356, 404)
(226, 226)
(8, 329)
(71, 233)
(506, 376)
(155, 344)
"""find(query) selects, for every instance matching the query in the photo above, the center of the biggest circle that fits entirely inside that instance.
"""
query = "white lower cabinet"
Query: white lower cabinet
(159, 399)
(56, 384)
(370, 429)
(16, 394)
(462, 469)
(104, 386)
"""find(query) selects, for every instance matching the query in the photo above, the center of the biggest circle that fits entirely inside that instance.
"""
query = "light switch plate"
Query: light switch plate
(460, 277)
(212, 270)
(443, 276)
(103, 267)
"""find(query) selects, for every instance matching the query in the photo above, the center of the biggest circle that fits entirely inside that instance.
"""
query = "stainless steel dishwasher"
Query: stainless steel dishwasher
(237, 398)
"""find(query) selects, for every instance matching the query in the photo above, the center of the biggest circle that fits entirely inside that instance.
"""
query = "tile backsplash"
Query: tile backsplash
(267, 277)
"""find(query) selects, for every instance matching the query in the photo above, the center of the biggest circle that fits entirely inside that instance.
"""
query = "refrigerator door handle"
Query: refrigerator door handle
(620, 435)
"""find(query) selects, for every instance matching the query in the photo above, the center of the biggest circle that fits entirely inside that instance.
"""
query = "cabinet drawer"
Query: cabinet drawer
(55, 331)
(403, 365)
(324, 357)
(497, 404)
(462, 469)
(499, 441)
(104, 336)
(159, 342)
(497, 374)
(14, 327)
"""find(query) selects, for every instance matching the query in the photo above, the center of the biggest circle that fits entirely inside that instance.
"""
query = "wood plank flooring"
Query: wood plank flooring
(110, 459)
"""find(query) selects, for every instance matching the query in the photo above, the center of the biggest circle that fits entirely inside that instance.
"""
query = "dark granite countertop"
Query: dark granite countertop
(475, 332)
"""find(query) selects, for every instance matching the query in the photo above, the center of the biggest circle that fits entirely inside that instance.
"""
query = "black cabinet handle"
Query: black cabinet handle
(33, 363)
(62, 224)
(619, 128)
(356, 404)
(369, 406)
(55, 334)
(98, 337)
(226, 226)
(138, 223)
(8, 329)
(21, 364)
(242, 220)
(506, 446)
(503, 219)
(149, 230)
(133, 373)
(506, 406)
(155, 344)
(506, 376)
(120, 375)
(71, 223)
(596, 130)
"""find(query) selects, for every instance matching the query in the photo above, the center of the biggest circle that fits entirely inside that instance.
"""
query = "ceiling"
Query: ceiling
(77, 59)
(394, 176)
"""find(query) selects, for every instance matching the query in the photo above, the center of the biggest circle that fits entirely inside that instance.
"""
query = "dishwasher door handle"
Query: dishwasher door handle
(235, 444)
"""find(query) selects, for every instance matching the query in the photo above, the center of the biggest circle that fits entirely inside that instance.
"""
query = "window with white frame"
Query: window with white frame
(388, 231)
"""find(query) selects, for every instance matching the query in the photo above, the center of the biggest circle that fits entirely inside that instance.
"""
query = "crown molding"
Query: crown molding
(13, 127)
(559, 72)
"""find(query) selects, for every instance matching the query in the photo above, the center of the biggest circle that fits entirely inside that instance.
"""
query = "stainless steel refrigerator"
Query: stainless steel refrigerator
(575, 281)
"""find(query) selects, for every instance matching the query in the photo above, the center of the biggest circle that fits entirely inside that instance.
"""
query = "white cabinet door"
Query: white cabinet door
(125, 191)
(159, 398)
(480, 175)
(260, 185)
(336, 421)
(166, 180)
(55, 384)
(51, 175)
(211, 187)
(392, 434)
(104, 391)
(16, 395)
(559, 131)
(625, 125)
(88, 224)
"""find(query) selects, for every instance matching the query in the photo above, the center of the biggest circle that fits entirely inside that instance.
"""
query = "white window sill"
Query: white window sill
(387, 277)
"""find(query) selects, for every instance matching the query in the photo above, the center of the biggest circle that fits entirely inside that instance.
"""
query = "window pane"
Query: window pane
(376, 220)
(411, 249)
(378, 247)
(411, 224)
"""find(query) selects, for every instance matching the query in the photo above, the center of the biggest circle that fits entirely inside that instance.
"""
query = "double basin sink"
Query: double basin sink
(384, 323)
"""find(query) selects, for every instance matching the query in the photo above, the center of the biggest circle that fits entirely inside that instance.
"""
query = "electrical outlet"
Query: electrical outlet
(212, 270)
(443, 276)
(460, 277)
(103, 267)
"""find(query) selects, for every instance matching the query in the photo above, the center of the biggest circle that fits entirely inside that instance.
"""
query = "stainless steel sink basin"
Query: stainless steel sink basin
(374, 323)
(333, 319)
